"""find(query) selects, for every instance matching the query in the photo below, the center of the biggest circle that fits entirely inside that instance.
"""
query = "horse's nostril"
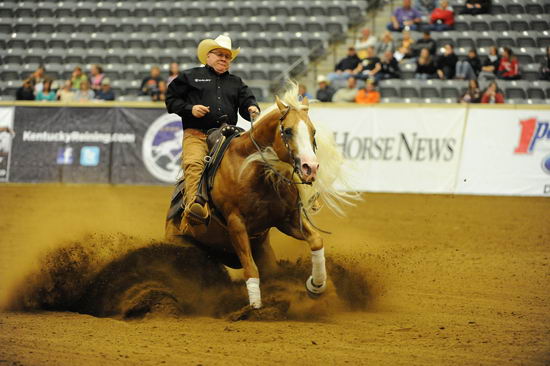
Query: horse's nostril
(306, 168)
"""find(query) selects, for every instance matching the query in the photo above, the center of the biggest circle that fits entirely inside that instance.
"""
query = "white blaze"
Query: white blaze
(303, 142)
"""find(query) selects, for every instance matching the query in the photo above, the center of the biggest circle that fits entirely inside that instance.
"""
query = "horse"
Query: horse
(275, 175)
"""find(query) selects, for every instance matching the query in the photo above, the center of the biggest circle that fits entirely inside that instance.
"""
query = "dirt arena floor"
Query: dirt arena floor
(423, 280)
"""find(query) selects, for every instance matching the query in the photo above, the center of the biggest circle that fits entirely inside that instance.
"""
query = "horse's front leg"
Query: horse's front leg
(316, 284)
(241, 243)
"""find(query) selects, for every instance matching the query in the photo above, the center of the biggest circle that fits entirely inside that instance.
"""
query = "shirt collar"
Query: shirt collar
(211, 70)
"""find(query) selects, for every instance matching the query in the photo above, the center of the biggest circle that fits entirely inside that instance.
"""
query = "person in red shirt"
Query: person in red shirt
(443, 18)
(369, 94)
(508, 69)
(492, 94)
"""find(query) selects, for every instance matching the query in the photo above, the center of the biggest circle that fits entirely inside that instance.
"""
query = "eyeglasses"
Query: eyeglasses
(227, 56)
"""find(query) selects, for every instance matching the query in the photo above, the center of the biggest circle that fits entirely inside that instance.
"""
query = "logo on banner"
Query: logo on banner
(533, 134)
(65, 155)
(89, 156)
(161, 148)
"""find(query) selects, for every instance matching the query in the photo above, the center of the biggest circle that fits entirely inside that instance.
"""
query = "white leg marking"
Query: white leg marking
(254, 295)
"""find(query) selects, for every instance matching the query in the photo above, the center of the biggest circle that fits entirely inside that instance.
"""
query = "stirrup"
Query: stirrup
(198, 213)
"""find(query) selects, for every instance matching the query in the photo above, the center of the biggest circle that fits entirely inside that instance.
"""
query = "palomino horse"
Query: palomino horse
(274, 175)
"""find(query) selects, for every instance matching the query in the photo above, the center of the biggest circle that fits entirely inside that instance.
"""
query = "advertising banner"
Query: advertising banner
(6, 136)
(506, 152)
(400, 149)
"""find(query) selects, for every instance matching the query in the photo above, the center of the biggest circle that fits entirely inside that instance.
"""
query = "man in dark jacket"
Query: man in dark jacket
(446, 63)
(204, 97)
(425, 42)
(344, 68)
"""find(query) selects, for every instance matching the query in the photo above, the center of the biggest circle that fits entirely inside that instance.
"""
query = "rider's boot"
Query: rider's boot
(197, 212)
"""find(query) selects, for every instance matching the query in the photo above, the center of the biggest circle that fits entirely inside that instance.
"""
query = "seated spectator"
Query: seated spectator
(425, 42)
(472, 94)
(389, 67)
(160, 94)
(407, 43)
(106, 92)
(508, 68)
(490, 65)
(369, 67)
(385, 44)
(46, 93)
(545, 66)
(150, 84)
(492, 94)
(37, 78)
(26, 91)
(66, 93)
(405, 18)
(425, 66)
(302, 92)
(84, 94)
(348, 93)
(368, 94)
(173, 72)
(446, 63)
(475, 7)
(96, 78)
(402, 54)
(442, 18)
(325, 91)
(345, 67)
(367, 40)
(78, 77)
(469, 68)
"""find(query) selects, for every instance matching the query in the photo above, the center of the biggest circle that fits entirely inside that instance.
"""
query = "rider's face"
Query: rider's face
(219, 59)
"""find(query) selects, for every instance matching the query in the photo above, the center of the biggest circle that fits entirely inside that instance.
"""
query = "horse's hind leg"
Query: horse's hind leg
(316, 284)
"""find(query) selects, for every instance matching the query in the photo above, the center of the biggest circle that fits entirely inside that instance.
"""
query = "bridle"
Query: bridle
(295, 169)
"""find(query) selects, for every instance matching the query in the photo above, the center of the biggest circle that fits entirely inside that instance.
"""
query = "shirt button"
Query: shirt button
(219, 98)
(218, 86)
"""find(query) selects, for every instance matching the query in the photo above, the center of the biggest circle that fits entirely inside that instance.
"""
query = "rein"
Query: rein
(294, 171)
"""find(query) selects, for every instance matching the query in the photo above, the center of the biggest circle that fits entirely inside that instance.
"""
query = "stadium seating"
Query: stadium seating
(127, 38)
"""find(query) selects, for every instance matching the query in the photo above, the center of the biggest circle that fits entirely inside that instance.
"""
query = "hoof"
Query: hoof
(314, 290)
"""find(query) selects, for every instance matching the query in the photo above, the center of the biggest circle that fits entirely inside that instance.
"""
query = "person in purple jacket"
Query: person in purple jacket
(405, 17)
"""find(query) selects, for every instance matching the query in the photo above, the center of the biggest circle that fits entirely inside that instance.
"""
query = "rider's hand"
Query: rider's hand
(200, 110)
(253, 111)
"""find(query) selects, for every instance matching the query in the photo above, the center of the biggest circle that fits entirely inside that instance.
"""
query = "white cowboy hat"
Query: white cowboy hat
(208, 45)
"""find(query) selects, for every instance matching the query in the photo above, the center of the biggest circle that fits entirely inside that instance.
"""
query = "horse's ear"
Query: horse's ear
(280, 104)
(305, 103)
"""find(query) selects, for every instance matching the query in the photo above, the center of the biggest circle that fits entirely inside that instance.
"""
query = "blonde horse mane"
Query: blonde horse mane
(331, 165)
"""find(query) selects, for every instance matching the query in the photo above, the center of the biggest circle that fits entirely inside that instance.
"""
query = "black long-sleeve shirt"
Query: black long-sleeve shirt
(225, 94)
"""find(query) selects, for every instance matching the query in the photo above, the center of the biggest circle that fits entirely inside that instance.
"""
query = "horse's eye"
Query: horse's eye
(288, 131)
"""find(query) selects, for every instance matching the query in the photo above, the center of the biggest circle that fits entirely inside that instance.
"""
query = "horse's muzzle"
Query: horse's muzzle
(308, 171)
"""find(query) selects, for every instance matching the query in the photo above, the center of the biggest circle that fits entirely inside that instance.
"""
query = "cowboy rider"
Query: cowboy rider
(204, 97)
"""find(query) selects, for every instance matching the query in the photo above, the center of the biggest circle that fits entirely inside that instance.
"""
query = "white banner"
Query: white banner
(506, 152)
(406, 149)
(6, 135)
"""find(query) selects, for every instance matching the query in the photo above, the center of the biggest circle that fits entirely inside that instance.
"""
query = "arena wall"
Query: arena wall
(462, 149)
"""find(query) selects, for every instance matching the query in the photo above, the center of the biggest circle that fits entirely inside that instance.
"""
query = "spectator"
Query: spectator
(344, 68)
(367, 40)
(469, 68)
(78, 77)
(302, 92)
(37, 78)
(472, 94)
(160, 94)
(446, 63)
(46, 93)
(369, 94)
(385, 44)
(105, 92)
(425, 6)
(150, 84)
(490, 65)
(84, 94)
(508, 68)
(26, 91)
(492, 94)
(443, 18)
(425, 42)
(369, 66)
(66, 94)
(173, 72)
(425, 66)
(325, 91)
(545, 66)
(405, 18)
(389, 67)
(348, 93)
(475, 7)
(97, 77)
(401, 54)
